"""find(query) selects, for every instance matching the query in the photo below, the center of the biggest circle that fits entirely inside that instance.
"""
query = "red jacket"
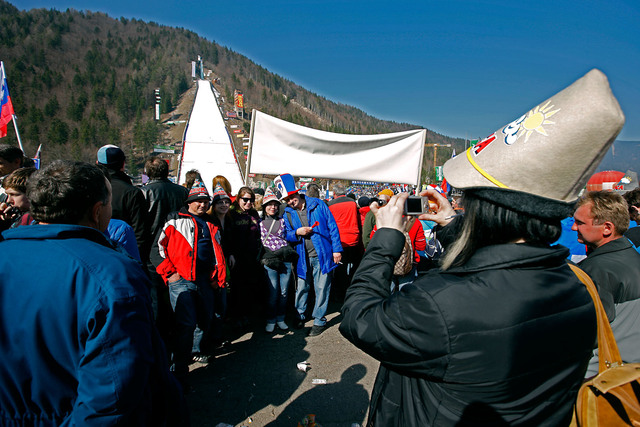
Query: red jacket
(363, 213)
(345, 212)
(418, 241)
(178, 246)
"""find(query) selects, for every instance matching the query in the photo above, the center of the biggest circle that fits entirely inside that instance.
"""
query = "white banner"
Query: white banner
(279, 147)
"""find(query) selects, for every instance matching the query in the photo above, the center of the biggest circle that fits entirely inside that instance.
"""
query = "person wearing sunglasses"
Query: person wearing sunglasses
(246, 272)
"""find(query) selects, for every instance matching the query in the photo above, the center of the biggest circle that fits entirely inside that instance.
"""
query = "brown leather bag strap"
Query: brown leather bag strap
(608, 353)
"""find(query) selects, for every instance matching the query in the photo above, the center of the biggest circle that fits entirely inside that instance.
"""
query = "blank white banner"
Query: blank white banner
(279, 147)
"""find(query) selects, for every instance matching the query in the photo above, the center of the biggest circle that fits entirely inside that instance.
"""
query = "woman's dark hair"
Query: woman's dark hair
(190, 177)
(486, 223)
(64, 191)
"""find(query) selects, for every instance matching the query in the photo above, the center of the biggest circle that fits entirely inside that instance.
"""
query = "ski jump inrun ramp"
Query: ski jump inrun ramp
(207, 145)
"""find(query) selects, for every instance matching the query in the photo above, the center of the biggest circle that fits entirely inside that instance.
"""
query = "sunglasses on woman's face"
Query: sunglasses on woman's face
(247, 199)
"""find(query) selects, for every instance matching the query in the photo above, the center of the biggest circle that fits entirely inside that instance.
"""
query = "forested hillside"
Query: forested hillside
(81, 79)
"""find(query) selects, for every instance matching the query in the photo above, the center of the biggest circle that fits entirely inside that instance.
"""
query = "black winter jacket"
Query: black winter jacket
(615, 269)
(503, 340)
(633, 234)
(130, 206)
(163, 197)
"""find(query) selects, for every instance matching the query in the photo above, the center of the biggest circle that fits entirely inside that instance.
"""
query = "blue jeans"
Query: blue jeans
(192, 303)
(277, 292)
(322, 287)
(215, 329)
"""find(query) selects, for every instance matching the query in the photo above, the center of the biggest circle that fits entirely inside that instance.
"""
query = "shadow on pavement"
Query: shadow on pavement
(252, 374)
(256, 376)
(329, 401)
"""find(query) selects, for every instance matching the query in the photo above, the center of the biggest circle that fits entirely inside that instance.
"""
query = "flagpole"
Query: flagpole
(15, 126)
(3, 73)
(36, 158)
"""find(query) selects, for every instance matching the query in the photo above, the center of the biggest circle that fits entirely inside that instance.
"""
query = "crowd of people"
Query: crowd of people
(109, 291)
(215, 263)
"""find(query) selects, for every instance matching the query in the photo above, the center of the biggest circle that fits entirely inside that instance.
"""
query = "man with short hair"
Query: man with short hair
(11, 158)
(163, 197)
(313, 190)
(601, 218)
(312, 230)
(77, 341)
(129, 203)
(345, 212)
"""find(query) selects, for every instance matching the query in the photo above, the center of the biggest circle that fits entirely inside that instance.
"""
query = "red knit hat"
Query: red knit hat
(219, 194)
(197, 192)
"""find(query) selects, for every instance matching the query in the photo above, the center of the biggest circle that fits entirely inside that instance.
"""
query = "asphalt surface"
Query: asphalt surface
(255, 381)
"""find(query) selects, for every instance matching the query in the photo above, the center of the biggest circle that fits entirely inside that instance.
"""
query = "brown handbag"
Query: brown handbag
(611, 398)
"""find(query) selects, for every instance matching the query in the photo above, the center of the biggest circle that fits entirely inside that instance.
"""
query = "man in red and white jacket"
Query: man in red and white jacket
(194, 269)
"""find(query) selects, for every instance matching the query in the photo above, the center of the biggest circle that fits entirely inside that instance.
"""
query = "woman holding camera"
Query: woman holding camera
(502, 333)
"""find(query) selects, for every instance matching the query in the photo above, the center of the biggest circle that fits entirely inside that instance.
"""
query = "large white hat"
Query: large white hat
(550, 151)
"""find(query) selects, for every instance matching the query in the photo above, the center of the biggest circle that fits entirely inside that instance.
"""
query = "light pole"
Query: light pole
(435, 152)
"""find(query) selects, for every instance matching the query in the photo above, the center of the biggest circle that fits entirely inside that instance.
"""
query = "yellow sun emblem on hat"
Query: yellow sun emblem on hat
(536, 118)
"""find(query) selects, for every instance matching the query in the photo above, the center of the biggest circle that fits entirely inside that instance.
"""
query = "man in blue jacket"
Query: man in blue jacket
(313, 231)
(77, 341)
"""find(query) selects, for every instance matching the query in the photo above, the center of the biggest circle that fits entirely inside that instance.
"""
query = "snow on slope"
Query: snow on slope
(207, 144)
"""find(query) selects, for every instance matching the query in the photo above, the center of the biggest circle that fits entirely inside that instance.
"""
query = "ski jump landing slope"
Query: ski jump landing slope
(207, 145)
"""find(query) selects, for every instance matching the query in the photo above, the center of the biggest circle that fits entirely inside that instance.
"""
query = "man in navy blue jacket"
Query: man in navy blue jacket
(77, 341)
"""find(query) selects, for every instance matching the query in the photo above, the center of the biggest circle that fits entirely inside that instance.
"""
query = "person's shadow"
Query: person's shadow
(248, 376)
(327, 402)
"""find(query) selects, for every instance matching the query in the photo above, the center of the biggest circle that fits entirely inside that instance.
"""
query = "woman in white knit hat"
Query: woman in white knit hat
(277, 261)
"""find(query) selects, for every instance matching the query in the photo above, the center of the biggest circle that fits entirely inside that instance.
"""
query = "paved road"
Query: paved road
(255, 381)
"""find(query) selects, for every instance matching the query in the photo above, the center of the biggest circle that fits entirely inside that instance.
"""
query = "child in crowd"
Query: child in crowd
(15, 211)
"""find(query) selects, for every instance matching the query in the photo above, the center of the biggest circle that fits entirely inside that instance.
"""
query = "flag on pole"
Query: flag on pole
(6, 107)
(36, 158)
(445, 186)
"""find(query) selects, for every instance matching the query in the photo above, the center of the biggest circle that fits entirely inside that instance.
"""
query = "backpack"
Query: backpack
(405, 262)
(611, 398)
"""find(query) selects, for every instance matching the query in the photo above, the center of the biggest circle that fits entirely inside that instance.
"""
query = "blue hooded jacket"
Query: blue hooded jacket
(77, 340)
(325, 236)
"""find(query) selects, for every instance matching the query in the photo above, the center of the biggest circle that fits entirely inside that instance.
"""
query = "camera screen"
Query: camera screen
(414, 205)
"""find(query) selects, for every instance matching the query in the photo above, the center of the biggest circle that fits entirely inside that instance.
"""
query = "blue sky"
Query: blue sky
(460, 68)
